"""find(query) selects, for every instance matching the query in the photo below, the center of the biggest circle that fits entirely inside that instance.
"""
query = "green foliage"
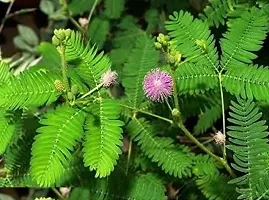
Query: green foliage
(244, 36)
(142, 59)
(80, 6)
(247, 135)
(247, 81)
(185, 31)
(62, 129)
(61, 126)
(7, 131)
(213, 184)
(192, 79)
(174, 160)
(217, 11)
(103, 137)
(208, 118)
(98, 31)
(114, 8)
(89, 65)
(29, 89)
(5, 74)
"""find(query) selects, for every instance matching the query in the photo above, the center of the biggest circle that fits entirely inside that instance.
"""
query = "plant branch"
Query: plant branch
(23, 11)
(91, 91)
(60, 196)
(64, 6)
(223, 115)
(129, 157)
(91, 13)
(7, 13)
(217, 158)
(148, 113)
(190, 136)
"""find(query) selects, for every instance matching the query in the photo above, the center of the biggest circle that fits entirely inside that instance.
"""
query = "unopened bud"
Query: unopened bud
(59, 34)
(175, 112)
(55, 41)
(202, 44)
(157, 45)
(74, 89)
(68, 33)
(59, 85)
(70, 96)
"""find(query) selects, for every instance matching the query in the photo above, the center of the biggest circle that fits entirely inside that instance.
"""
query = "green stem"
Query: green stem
(190, 136)
(187, 60)
(64, 5)
(175, 94)
(223, 116)
(60, 196)
(7, 13)
(64, 68)
(148, 113)
(168, 105)
(75, 22)
(129, 156)
(92, 91)
(91, 13)
(217, 158)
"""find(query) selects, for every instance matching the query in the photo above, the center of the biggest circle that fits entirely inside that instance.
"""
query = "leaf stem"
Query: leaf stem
(91, 13)
(7, 13)
(91, 91)
(148, 113)
(129, 157)
(223, 116)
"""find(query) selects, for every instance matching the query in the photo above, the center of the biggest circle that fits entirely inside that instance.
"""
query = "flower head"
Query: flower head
(108, 78)
(219, 138)
(83, 22)
(158, 85)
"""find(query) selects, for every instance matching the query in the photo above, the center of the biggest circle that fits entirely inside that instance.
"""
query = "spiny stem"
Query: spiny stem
(92, 91)
(223, 115)
(148, 113)
(217, 158)
(60, 196)
(64, 68)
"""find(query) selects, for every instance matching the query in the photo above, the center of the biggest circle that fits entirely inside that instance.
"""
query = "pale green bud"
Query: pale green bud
(55, 41)
(158, 45)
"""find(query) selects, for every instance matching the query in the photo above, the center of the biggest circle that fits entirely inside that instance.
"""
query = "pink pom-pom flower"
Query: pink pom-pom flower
(108, 78)
(158, 85)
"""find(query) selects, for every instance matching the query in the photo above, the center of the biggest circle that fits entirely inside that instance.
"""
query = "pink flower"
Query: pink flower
(219, 138)
(108, 78)
(158, 85)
